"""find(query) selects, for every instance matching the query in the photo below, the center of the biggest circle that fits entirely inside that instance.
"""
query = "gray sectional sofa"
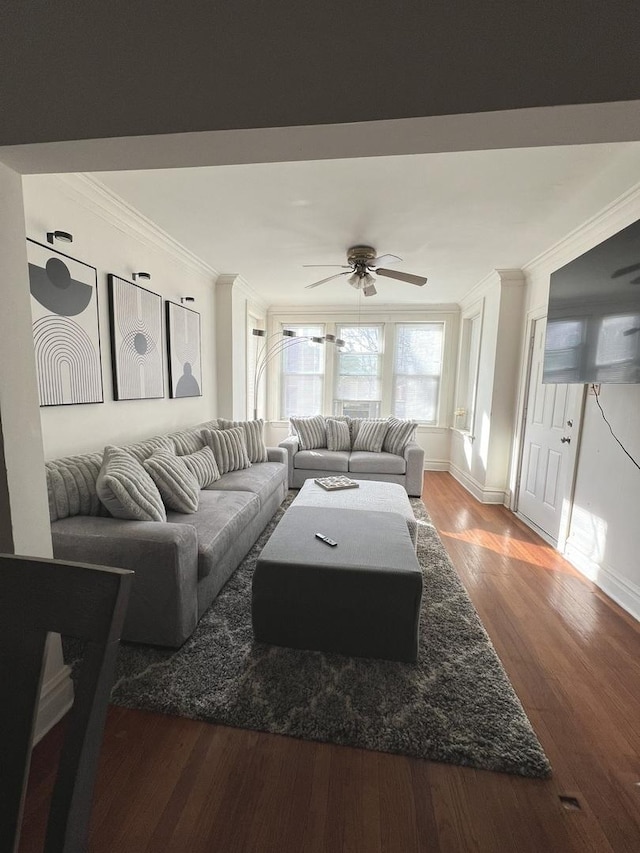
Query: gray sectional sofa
(181, 564)
(406, 469)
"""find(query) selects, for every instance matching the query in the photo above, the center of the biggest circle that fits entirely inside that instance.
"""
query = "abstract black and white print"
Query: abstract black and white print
(66, 335)
(136, 341)
(183, 341)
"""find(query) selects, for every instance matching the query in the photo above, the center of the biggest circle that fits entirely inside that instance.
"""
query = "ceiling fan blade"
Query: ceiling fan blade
(403, 276)
(370, 290)
(322, 280)
(384, 259)
(339, 266)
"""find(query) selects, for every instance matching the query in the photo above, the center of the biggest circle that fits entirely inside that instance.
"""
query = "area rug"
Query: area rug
(455, 705)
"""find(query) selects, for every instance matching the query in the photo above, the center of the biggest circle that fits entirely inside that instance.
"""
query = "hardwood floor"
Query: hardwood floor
(170, 784)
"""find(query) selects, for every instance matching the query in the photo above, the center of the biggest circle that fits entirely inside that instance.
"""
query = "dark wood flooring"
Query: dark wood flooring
(169, 784)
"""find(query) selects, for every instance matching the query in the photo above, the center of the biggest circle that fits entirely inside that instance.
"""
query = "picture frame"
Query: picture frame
(66, 327)
(183, 351)
(135, 320)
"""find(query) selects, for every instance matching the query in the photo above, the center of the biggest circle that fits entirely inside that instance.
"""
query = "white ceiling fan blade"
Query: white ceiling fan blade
(385, 259)
(403, 276)
(323, 280)
(370, 290)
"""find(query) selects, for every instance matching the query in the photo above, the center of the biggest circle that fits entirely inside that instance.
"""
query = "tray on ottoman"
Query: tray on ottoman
(359, 598)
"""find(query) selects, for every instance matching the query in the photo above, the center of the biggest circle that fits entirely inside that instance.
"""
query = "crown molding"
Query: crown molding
(235, 280)
(613, 218)
(94, 196)
(503, 277)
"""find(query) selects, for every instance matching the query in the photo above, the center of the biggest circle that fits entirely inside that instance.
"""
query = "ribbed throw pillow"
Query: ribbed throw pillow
(354, 425)
(370, 435)
(399, 434)
(203, 466)
(229, 448)
(338, 436)
(311, 432)
(126, 489)
(178, 487)
(253, 433)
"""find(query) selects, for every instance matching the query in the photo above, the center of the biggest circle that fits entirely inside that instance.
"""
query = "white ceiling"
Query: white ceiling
(452, 217)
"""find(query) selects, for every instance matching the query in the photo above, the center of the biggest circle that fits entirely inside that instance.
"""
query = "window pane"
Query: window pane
(359, 369)
(417, 370)
(302, 372)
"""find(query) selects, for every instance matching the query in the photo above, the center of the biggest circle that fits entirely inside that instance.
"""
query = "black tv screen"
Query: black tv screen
(593, 321)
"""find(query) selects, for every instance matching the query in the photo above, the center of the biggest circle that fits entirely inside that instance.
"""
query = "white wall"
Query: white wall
(116, 239)
(480, 459)
(604, 533)
(25, 522)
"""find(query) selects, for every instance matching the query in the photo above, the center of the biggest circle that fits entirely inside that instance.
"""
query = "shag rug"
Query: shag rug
(455, 705)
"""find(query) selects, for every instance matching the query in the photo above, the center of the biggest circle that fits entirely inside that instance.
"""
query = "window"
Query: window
(302, 377)
(358, 387)
(468, 372)
(253, 348)
(417, 370)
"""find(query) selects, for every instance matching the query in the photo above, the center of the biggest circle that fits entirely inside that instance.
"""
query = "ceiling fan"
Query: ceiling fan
(361, 262)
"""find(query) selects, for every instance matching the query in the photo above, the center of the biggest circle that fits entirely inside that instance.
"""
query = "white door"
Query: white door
(549, 446)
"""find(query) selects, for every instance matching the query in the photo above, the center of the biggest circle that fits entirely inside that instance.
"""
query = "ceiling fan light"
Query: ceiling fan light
(369, 290)
(367, 280)
(354, 280)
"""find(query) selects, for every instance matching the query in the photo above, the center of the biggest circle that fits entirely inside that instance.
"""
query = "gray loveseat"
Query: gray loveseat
(181, 564)
(406, 469)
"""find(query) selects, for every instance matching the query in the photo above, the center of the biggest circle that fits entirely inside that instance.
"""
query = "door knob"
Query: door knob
(565, 439)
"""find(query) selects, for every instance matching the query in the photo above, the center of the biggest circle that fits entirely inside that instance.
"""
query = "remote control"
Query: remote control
(326, 539)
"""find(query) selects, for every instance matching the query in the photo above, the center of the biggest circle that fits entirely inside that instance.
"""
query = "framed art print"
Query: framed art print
(66, 333)
(135, 316)
(183, 348)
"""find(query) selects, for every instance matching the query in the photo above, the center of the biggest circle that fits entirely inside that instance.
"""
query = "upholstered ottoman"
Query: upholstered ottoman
(369, 495)
(361, 597)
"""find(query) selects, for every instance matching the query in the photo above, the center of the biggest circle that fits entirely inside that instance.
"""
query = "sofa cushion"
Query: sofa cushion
(143, 449)
(221, 518)
(203, 466)
(322, 460)
(253, 433)
(178, 487)
(126, 489)
(229, 448)
(338, 435)
(370, 435)
(399, 434)
(354, 425)
(364, 462)
(311, 432)
(71, 486)
(262, 479)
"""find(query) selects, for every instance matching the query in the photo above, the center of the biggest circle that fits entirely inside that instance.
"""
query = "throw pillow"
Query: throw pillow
(125, 488)
(229, 448)
(399, 434)
(178, 487)
(338, 437)
(203, 466)
(370, 435)
(311, 432)
(354, 425)
(253, 433)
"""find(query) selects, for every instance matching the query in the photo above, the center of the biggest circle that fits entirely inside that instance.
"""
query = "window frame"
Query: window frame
(415, 324)
(279, 361)
(336, 364)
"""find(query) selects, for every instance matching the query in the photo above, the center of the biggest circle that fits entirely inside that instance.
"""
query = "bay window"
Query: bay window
(358, 385)
(302, 373)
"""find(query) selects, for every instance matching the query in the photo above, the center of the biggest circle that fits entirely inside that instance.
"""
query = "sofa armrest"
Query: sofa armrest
(277, 454)
(414, 457)
(290, 444)
(163, 606)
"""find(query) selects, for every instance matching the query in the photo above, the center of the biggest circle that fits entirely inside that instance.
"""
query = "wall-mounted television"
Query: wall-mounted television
(593, 320)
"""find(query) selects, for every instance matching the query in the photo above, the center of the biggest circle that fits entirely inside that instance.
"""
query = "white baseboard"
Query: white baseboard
(56, 697)
(480, 493)
(436, 464)
(624, 592)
